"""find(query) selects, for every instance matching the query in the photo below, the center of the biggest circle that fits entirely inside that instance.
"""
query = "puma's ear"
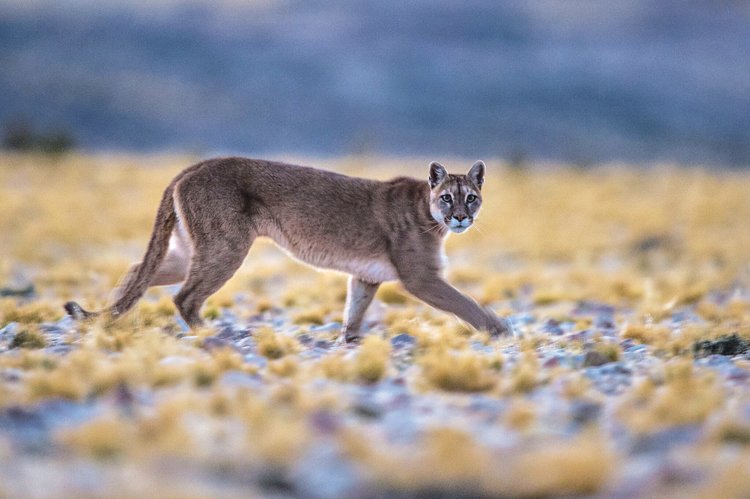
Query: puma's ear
(476, 174)
(437, 174)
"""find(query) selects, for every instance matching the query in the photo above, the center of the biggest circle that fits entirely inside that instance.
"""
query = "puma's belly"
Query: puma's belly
(368, 269)
(373, 271)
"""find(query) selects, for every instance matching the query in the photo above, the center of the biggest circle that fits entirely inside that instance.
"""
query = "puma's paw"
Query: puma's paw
(352, 338)
(499, 327)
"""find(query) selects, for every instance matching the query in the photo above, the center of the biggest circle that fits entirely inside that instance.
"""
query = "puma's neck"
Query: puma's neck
(407, 201)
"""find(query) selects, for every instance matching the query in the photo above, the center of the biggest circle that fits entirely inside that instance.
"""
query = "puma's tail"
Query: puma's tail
(137, 282)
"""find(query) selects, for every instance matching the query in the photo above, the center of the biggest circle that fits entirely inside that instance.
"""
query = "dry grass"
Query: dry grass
(650, 242)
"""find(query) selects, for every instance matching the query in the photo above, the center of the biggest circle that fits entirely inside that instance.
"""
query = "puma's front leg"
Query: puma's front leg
(358, 297)
(434, 291)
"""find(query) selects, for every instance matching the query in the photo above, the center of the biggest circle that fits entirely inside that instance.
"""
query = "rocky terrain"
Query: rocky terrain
(627, 288)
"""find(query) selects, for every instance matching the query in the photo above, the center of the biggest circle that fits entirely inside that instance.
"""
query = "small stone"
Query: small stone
(594, 358)
(588, 307)
(583, 412)
(213, 343)
(124, 396)
(52, 329)
(322, 344)
(25, 292)
(552, 326)
(8, 332)
(403, 340)
(604, 322)
(738, 374)
(521, 319)
(176, 360)
(324, 328)
(616, 368)
(305, 339)
(59, 349)
(550, 362)
(226, 333)
(324, 421)
(664, 440)
(726, 345)
(11, 374)
(583, 335)
(239, 378)
(367, 408)
(256, 360)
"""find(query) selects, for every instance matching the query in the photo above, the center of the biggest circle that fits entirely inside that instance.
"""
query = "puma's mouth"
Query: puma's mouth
(458, 226)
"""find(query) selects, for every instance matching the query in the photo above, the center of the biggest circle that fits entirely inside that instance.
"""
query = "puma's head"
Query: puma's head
(455, 199)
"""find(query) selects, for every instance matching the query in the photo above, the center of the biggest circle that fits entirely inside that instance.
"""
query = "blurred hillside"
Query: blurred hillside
(573, 81)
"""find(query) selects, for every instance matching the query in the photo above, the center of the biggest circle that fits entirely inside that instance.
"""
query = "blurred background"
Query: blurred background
(577, 81)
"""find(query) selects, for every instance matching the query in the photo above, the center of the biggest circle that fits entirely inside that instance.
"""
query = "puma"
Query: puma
(376, 231)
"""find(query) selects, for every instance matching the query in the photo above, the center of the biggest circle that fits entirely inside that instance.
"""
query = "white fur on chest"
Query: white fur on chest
(372, 270)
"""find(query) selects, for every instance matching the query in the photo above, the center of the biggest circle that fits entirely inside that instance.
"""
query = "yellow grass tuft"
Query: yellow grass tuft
(686, 397)
(312, 315)
(30, 313)
(464, 371)
(368, 365)
(579, 466)
(273, 345)
(101, 438)
(28, 338)
(371, 361)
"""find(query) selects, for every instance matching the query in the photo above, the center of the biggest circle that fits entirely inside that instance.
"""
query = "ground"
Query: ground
(628, 289)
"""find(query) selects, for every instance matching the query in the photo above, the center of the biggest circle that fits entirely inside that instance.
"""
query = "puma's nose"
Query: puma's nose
(460, 218)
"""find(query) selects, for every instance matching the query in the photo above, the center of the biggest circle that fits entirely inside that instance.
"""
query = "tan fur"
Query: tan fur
(375, 231)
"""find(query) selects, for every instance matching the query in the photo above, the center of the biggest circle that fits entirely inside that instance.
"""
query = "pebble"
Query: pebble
(305, 339)
(11, 374)
(322, 344)
(589, 307)
(584, 411)
(551, 362)
(176, 360)
(25, 292)
(214, 342)
(594, 358)
(8, 332)
(324, 421)
(323, 472)
(403, 340)
(256, 360)
(326, 328)
(239, 378)
(367, 408)
(664, 440)
(521, 319)
(552, 326)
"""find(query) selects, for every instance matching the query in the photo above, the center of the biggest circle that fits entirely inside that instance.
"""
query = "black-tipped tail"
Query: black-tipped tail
(77, 312)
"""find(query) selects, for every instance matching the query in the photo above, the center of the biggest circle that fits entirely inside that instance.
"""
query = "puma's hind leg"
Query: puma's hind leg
(212, 265)
(219, 219)
(219, 244)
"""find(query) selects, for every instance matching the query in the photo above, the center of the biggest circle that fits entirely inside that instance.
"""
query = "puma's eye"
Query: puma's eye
(447, 198)
(471, 198)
